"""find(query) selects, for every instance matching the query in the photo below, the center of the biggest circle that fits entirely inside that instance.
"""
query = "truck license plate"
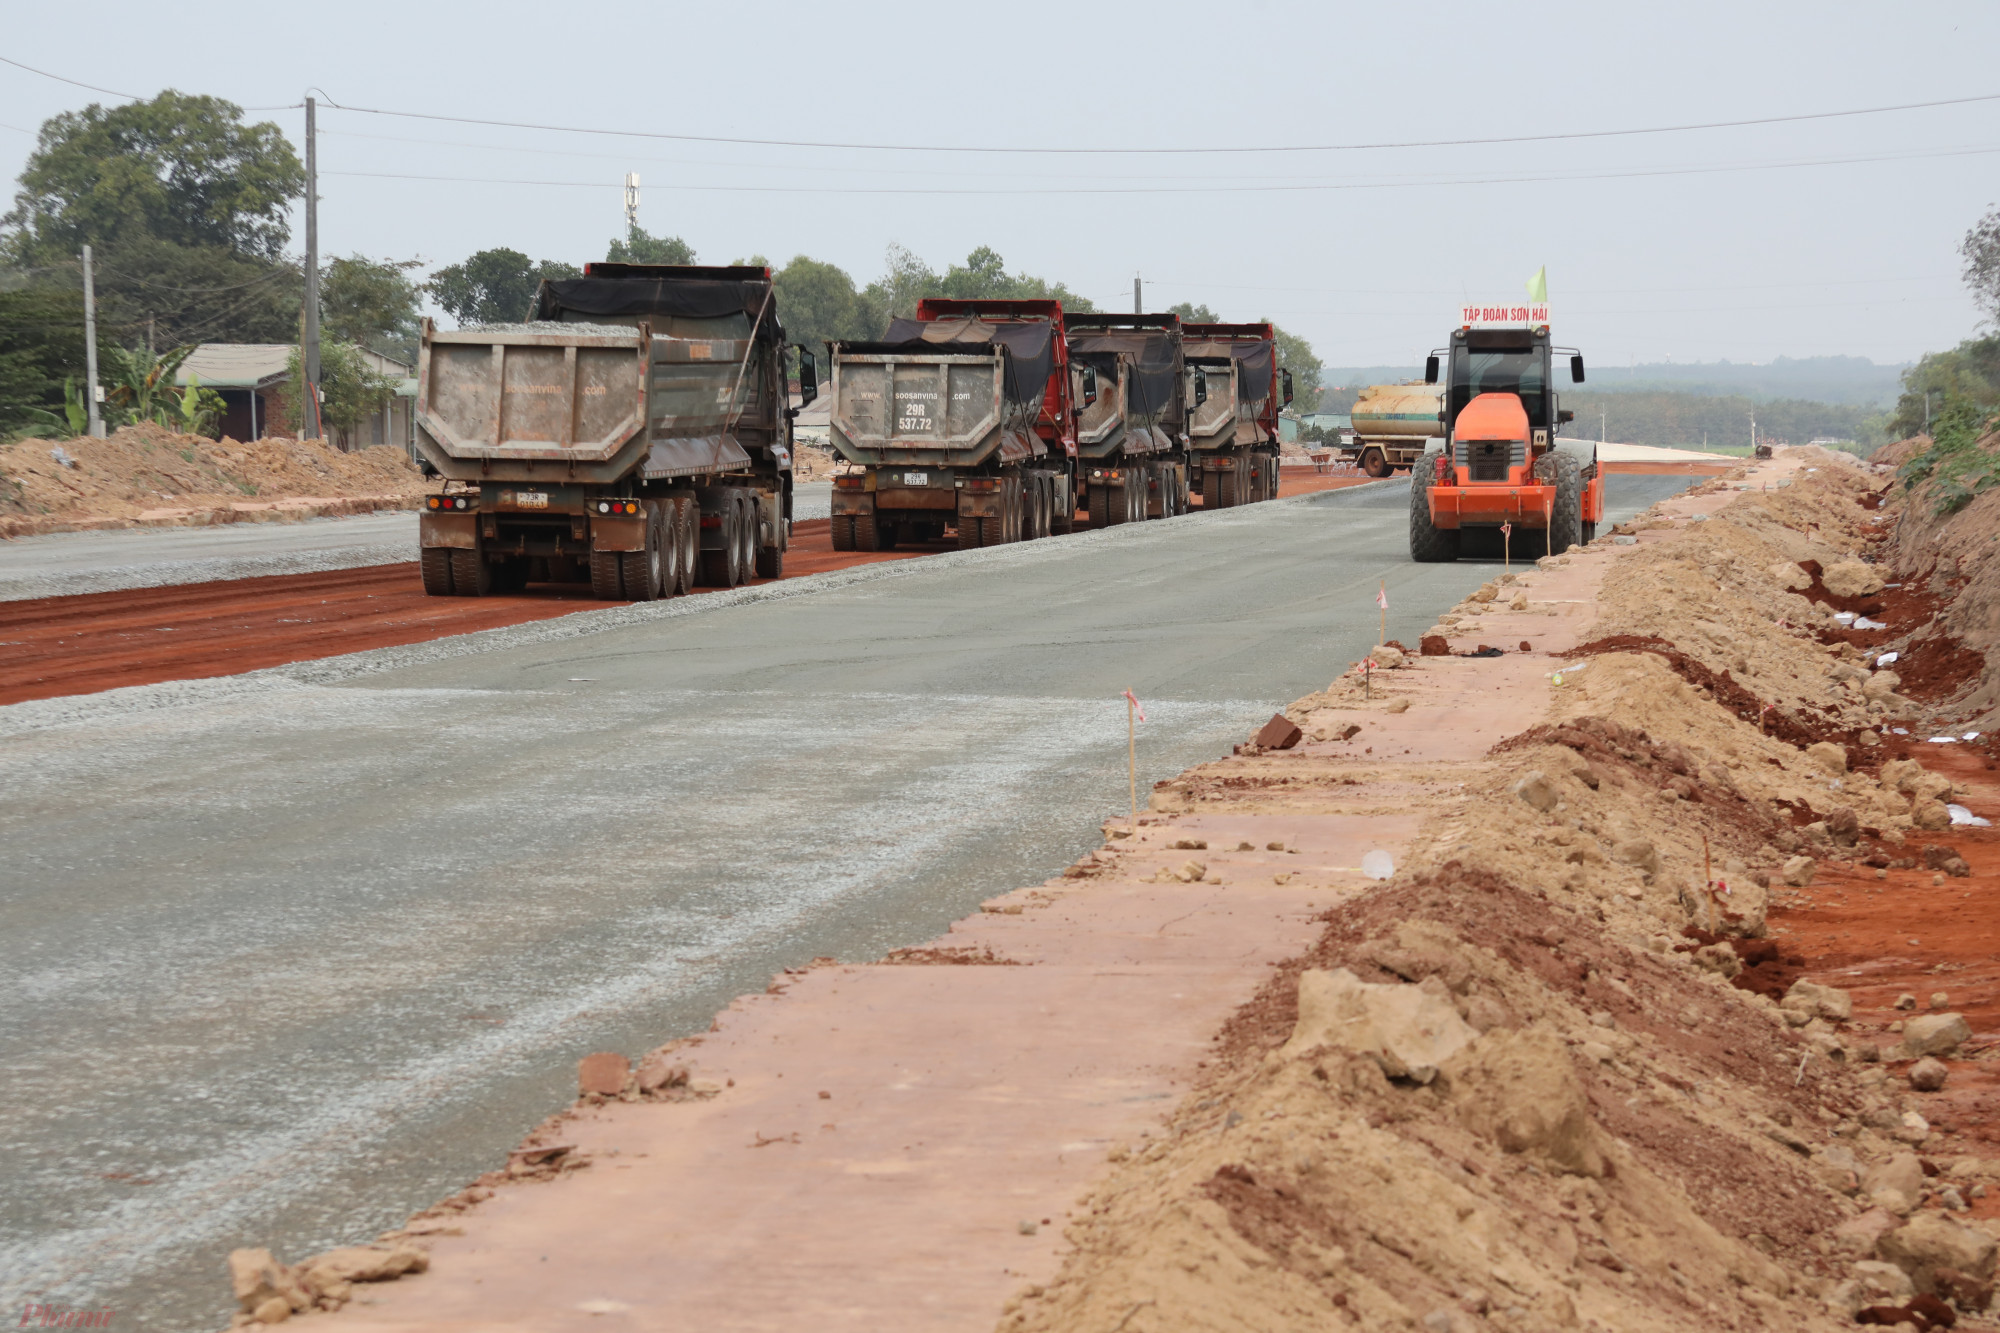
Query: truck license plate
(916, 478)
(531, 499)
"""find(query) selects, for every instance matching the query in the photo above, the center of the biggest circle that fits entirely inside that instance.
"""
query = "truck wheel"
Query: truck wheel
(471, 576)
(1226, 490)
(437, 571)
(843, 532)
(749, 535)
(670, 548)
(770, 562)
(1064, 518)
(1100, 506)
(1374, 464)
(1566, 523)
(992, 531)
(968, 533)
(1429, 544)
(605, 583)
(640, 571)
(719, 569)
(871, 534)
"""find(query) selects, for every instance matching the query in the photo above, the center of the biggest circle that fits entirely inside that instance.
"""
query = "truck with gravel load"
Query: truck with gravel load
(1497, 467)
(1131, 436)
(1233, 431)
(961, 420)
(636, 433)
(1393, 425)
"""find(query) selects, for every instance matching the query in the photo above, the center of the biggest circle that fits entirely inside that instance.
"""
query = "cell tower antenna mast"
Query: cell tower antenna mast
(631, 200)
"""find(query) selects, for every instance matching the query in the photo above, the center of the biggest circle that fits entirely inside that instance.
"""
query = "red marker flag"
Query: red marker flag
(1506, 529)
(1382, 596)
(1137, 707)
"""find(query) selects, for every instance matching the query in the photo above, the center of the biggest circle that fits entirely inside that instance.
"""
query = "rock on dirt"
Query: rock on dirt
(1799, 871)
(1820, 1001)
(1935, 1034)
(1408, 1030)
(1851, 578)
(1928, 1074)
(1931, 1241)
(1520, 1089)
(604, 1074)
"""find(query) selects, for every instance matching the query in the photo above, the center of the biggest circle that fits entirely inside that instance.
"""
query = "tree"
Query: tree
(184, 170)
(819, 304)
(1981, 249)
(1969, 373)
(640, 248)
(41, 347)
(371, 304)
(494, 286)
(895, 294)
(984, 276)
(350, 389)
(1194, 314)
(1296, 355)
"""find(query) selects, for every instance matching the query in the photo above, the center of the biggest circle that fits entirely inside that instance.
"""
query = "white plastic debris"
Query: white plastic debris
(1971, 735)
(1944, 740)
(1378, 864)
(1623, 540)
(61, 455)
(1886, 658)
(1863, 622)
(1900, 731)
(1961, 815)
(1698, 518)
(1844, 617)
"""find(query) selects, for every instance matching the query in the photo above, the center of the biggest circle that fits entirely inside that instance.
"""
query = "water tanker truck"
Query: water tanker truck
(635, 433)
(1233, 431)
(961, 420)
(1498, 461)
(1393, 425)
(1131, 435)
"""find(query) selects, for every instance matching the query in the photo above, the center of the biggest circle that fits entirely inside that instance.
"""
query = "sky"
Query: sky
(1827, 236)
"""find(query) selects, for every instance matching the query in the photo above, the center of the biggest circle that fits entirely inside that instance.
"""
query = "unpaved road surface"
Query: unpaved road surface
(299, 952)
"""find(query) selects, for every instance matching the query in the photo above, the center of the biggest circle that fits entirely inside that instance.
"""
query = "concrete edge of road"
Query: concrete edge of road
(42, 714)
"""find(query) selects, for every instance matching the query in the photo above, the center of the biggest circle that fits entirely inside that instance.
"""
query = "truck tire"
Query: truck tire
(437, 571)
(1100, 506)
(1065, 504)
(843, 532)
(724, 568)
(992, 531)
(1228, 492)
(640, 571)
(605, 583)
(872, 534)
(471, 576)
(1374, 464)
(672, 549)
(1429, 544)
(1566, 523)
(770, 562)
(749, 534)
(968, 533)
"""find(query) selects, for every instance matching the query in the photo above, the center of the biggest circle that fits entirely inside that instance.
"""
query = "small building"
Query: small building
(252, 378)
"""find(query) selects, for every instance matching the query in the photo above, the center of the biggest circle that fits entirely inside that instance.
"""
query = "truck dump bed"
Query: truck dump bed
(1240, 364)
(948, 392)
(1139, 408)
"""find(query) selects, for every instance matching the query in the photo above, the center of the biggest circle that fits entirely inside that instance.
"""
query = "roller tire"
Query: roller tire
(1429, 544)
(471, 576)
(1566, 523)
(843, 532)
(436, 566)
(606, 585)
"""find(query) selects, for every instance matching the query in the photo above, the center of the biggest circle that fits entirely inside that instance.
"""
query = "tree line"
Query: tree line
(186, 206)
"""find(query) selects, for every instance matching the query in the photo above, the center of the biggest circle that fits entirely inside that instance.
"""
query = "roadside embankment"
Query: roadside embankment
(1590, 1056)
(144, 476)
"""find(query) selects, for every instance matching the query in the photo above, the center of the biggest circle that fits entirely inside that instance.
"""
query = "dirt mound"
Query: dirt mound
(1949, 556)
(150, 474)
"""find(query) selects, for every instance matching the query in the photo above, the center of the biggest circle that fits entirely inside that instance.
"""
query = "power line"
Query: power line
(130, 97)
(1251, 148)
(1195, 187)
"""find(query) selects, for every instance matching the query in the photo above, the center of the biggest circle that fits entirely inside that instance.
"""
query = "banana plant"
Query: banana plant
(142, 385)
(75, 413)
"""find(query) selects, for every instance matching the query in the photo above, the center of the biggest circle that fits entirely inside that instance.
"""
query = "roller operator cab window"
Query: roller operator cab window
(1502, 370)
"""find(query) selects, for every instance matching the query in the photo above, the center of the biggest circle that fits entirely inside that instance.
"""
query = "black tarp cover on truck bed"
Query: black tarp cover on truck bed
(1254, 361)
(665, 290)
(1029, 344)
(1155, 358)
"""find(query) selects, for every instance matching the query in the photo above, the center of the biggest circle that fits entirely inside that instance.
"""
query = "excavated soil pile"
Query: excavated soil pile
(148, 474)
(1567, 1068)
(1950, 556)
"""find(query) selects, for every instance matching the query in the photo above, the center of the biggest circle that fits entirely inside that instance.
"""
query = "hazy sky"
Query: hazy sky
(1811, 238)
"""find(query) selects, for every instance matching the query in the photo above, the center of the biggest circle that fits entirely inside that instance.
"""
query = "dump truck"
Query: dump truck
(1131, 437)
(1233, 431)
(1498, 461)
(960, 421)
(1393, 425)
(635, 433)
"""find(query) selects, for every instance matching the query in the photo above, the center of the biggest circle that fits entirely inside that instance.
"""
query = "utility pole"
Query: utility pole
(1138, 298)
(631, 202)
(90, 345)
(1603, 431)
(309, 342)
(1753, 432)
(1927, 403)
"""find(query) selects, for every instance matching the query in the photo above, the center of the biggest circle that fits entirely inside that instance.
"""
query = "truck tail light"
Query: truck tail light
(849, 483)
(617, 506)
(711, 520)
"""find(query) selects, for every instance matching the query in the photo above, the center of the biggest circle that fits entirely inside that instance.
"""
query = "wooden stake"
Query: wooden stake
(1708, 887)
(1132, 757)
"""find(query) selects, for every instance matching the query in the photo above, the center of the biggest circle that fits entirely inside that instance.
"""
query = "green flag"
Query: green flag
(1538, 286)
